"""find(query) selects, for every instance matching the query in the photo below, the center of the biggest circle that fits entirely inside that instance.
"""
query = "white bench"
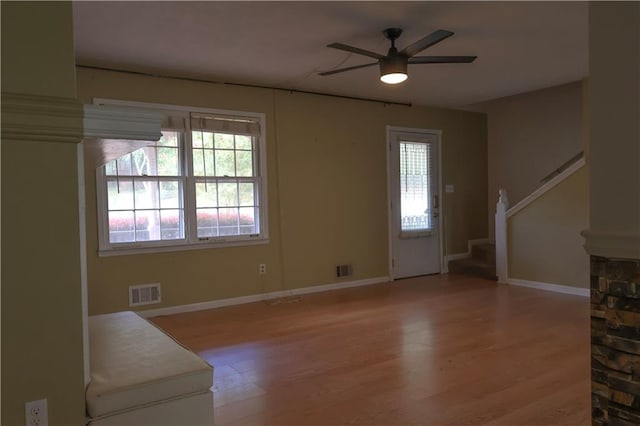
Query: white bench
(141, 376)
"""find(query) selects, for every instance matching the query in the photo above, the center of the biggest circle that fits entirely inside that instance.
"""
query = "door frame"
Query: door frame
(438, 135)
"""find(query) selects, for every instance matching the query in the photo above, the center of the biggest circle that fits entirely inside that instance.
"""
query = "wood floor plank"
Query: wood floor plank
(436, 350)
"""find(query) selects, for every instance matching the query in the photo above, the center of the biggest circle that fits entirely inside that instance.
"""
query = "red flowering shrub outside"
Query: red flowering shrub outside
(224, 218)
(171, 219)
(122, 223)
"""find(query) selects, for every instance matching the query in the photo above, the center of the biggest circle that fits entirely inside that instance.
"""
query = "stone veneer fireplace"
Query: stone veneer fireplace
(615, 341)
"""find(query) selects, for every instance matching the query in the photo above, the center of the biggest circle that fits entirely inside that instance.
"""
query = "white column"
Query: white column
(82, 222)
(501, 236)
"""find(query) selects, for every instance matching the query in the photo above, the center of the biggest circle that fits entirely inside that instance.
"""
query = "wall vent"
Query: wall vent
(344, 271)
(145, 294)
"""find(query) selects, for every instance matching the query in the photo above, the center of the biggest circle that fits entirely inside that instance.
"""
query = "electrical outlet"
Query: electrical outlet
(263, 268)
(36, 413)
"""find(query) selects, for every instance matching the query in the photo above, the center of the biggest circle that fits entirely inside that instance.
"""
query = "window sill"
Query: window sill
(182, 247)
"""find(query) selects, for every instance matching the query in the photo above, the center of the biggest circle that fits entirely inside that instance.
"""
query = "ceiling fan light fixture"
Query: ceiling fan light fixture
(393, 70)
(393, 78)
(393, 65)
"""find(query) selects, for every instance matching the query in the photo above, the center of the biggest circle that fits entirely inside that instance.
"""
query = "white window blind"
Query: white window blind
(225, 124)
(415, 183)
(175, 123)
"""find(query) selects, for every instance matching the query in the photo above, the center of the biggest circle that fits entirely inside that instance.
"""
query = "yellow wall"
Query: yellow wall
(37, 49)
(41, 301)
(544, 238)
(614, 109)
(529, 136)
(326, 161)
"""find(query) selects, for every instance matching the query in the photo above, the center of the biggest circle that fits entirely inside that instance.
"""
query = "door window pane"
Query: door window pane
(415, 181)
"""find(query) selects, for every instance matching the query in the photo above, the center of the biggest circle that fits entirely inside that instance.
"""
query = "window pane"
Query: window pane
(223, 141)
(414, 186)
(243, 142)
(196, 139)
(124, 165)
(228, 221)
(247, 220)
(203, 164)
(147, 225)
(228, 194)
(210, 166)
(110, 168)
(206, 195)
(246, 194)
(120, 194)
(244, 163)
(168, 139)
(207, 222)
(198, 162)
(146, 195)
(143, 162)
(168, 162)
(169, 195)
(225, 163)
(208, 140)
(121, 229)
(171, 224)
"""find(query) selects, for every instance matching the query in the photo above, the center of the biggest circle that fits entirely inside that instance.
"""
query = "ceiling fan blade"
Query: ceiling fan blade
(347, 69)
(423, 43)
(355, 50)
(441, 59)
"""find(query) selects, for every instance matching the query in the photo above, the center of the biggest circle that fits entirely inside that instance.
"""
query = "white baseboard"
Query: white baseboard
(557, 288)
(170, 310)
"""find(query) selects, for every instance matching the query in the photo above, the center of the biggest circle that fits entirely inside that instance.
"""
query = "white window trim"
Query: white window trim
(107, 249)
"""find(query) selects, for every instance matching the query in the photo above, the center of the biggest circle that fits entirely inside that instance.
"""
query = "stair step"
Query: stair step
(484, 252)
(472, 266)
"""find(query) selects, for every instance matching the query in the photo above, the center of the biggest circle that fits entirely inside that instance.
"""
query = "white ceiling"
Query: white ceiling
(521, 46)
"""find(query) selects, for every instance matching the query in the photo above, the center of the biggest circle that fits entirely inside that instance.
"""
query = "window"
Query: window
(224, 174)
(201, 185)
(144, 193)
(415, 180)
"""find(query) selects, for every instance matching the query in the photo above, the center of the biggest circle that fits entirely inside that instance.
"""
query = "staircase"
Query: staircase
(482, 262)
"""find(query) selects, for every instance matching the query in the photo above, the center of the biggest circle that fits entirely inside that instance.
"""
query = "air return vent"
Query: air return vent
(344, 271)
(145, 294)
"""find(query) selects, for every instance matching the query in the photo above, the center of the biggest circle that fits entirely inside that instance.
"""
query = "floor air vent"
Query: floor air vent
(145, 294)
(344, 271)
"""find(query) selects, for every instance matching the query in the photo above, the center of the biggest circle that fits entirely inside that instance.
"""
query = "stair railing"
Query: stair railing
(570, 162)
(504, 212)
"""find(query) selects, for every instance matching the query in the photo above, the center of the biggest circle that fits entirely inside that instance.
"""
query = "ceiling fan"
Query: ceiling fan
(393, 65)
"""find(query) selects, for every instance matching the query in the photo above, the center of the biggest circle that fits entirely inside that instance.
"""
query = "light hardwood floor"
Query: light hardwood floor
(437, 350)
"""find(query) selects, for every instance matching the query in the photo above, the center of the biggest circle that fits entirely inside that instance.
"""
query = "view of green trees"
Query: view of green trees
(218, 154)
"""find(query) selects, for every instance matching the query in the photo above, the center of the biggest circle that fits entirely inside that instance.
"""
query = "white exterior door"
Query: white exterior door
(414, 228)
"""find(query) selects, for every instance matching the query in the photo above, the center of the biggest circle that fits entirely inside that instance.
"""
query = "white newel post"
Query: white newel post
(501, 236)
